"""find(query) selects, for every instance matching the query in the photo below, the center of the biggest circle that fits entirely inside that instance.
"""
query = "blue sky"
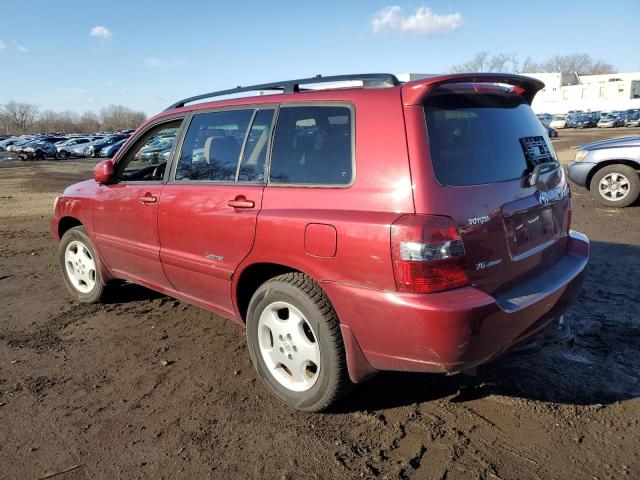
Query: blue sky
(146, 54)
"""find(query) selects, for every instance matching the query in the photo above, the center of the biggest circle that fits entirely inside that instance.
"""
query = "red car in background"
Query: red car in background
(420, 226)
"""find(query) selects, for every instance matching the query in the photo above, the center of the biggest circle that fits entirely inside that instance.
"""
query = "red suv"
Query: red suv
(364, 226)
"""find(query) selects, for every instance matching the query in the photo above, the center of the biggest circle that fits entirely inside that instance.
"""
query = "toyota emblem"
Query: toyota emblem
(543, 198)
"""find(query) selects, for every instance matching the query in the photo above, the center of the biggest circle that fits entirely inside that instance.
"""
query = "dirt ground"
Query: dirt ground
(83, 388)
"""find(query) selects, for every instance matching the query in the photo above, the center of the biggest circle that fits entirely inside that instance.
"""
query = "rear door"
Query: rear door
(207, 215)
(497, 175)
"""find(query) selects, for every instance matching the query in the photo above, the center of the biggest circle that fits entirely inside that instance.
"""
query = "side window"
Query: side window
(147, 159)
(255, 150)
(212, 145)
(312, 146)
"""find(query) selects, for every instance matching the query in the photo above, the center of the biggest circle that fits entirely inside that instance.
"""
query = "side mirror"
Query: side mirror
(104, 172)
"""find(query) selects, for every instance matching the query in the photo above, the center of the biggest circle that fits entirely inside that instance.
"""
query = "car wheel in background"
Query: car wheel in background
(615, 186)
(295, 343)
(63, 154)
(80, 266)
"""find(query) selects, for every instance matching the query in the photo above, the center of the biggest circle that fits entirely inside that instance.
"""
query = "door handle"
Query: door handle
(148, 198)
(241, 202)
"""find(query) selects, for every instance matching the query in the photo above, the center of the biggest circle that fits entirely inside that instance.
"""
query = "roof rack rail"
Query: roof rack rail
(369, 80)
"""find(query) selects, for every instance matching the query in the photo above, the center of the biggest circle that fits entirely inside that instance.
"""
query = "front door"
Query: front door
(208, 212)
(125, 212)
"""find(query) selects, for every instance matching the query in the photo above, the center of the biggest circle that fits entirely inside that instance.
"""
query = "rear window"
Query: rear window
(483, 138)
(212, 146)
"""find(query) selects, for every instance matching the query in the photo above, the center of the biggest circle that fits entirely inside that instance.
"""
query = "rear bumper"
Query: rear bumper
(579, 172)
(454, 330)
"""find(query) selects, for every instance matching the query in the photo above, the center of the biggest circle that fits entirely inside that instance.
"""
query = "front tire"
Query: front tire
(295, 343)
(615, 186)
(80, 266)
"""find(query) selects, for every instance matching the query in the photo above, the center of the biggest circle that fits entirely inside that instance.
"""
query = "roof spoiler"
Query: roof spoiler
(414, 92)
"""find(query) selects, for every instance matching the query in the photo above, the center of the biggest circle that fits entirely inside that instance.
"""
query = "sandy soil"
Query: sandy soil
(84, 387)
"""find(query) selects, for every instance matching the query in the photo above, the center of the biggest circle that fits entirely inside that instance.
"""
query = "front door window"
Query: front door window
(148, 158)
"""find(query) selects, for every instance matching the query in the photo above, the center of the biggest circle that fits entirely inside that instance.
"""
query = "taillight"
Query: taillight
(427, 254)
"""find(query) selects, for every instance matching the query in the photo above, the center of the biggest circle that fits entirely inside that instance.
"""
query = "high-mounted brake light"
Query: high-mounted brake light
(427, 254)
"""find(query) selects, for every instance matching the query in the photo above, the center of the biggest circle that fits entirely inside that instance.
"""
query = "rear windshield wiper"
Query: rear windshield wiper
(542, 168)
(538, 155)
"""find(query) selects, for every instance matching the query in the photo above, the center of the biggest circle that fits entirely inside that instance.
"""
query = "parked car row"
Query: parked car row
(580, 119)
(61, 145)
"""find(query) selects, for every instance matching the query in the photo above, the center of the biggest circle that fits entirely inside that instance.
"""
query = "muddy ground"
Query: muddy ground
(83, 388)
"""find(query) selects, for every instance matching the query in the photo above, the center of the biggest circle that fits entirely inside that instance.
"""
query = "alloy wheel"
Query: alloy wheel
(80, 267)
(289, 346)
(614, 186)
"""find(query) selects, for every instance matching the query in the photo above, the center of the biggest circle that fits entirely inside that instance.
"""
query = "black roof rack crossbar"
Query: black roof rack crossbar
(369, 80)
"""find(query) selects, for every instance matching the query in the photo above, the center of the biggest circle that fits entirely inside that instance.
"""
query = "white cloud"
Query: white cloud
(422, 22)
(22, 48)
(2, 45)
(100, 32)
(163, 63)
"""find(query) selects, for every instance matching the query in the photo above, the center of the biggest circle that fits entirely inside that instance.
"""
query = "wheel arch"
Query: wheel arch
(66, 223)
(250, 278)
(607, 163)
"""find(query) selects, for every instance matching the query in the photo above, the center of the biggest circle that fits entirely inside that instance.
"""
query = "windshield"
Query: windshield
(483, 138)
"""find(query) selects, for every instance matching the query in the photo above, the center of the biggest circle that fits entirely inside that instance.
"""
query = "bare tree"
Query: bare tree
(477, 64)
(500, 62)
(117, 116)
(580, 63)
(21, 116)
(24, 118)
(50, 121)
(5, 124)
(526, 65)
(89, 122)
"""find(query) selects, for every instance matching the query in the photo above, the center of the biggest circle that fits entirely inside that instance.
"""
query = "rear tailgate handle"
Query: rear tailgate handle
(241, 202)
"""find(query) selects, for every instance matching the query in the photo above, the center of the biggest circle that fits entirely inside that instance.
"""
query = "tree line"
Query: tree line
(580, 63)
(20, 118)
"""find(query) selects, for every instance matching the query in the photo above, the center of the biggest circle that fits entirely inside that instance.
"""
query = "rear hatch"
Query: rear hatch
(497, 175)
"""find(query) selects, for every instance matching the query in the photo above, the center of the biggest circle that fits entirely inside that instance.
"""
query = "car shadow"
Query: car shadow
(594, 360)
(125, 292)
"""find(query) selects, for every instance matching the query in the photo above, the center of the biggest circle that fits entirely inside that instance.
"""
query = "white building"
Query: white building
(564, 92)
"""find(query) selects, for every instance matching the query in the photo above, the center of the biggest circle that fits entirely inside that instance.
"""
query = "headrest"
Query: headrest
(207, 149)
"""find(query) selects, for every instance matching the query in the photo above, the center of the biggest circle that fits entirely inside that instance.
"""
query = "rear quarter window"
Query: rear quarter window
(478, 138)
(312, 146)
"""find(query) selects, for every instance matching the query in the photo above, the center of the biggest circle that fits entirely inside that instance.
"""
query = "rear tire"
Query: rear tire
(80, 266)
(295, 343)
(615, 186)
